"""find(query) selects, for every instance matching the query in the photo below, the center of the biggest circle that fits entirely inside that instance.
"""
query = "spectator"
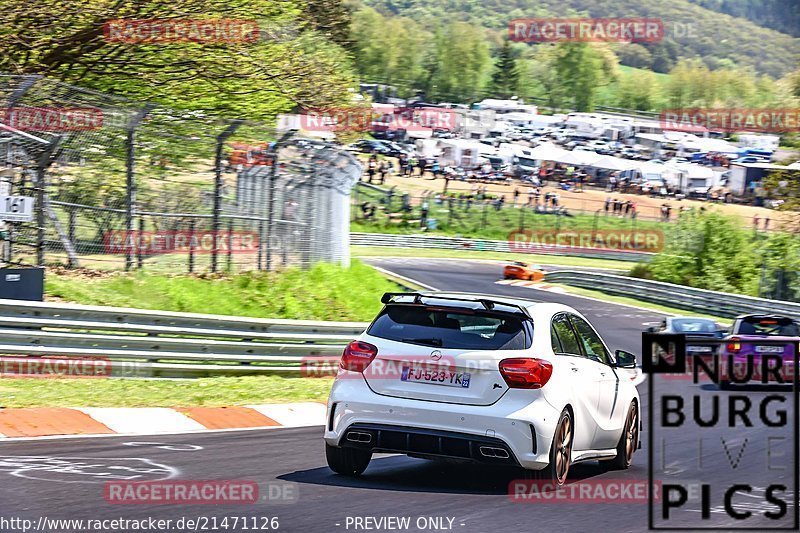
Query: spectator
(412, 161)
(423, 212)
(383, 168)
(372, 166)
(368, 211)
(766, 223)
(436, 169)
(516, 196)
(607, 204)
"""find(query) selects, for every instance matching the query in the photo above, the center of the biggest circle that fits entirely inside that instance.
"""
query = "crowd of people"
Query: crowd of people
(620, 207)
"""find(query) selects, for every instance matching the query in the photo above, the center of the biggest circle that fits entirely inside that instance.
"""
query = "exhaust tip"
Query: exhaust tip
(359, 436)
(489, 451)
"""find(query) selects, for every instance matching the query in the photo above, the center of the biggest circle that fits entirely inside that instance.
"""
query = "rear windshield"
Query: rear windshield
(693, 325)
(468, 330)
(779, 327)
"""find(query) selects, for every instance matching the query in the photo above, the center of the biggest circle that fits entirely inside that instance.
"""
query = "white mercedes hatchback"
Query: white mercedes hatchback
(481, 378)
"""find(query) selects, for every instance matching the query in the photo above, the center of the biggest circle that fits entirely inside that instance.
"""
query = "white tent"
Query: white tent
(652, 171)
(579, 157)
(546, 152)
(614, 163)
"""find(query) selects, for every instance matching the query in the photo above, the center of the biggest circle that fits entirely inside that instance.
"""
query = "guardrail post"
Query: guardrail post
(215, 221)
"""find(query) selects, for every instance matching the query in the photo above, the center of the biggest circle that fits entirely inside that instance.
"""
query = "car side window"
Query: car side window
(563, 337)
(590, 341)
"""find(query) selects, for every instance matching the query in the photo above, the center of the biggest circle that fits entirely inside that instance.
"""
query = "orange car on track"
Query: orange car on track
(520, 270)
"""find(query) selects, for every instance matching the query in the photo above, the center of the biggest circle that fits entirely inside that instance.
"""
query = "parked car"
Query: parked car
(434, 370)
(759, 336)
(369, 146)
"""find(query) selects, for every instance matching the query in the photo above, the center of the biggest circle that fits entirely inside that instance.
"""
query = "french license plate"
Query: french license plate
(769, 349)
(700, 349)
(435, 377)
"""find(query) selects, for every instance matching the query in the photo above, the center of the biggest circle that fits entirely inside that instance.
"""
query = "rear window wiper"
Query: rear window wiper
(428, 341)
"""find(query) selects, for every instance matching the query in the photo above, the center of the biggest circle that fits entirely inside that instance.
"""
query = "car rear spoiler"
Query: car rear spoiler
(488, 304)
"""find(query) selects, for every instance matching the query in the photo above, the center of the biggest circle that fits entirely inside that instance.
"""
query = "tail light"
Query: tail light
(734, 346)
(357, 356)
(522, 373)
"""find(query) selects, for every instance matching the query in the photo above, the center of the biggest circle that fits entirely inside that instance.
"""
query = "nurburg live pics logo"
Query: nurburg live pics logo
(742, 440)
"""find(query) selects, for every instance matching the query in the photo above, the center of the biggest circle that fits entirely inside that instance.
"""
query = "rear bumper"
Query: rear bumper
(427, 443)
(517, 423)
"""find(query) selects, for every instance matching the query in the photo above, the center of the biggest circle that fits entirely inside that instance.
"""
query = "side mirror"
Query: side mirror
(625, 359)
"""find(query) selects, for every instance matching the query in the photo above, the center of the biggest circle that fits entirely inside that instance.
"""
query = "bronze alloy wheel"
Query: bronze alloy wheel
(563, 452)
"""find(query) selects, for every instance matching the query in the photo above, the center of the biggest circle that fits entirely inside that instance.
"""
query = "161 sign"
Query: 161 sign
(16, 208)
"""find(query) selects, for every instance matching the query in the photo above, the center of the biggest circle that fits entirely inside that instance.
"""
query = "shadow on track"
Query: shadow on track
(401, 473)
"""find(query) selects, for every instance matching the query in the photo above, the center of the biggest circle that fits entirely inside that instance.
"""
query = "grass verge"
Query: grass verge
(381, 251)
(324, 292)
(201, 392)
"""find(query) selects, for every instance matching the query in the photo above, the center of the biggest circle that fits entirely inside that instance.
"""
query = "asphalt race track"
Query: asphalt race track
(468, 498)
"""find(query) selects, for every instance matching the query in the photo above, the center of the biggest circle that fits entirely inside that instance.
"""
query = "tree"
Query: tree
(463, 62)
(505, 79)
(579, 68)
(287, 62)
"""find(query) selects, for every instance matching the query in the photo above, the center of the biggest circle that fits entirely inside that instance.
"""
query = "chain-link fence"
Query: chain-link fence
(119, 184)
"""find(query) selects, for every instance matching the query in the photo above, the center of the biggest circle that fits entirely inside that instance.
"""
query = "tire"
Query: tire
(556, 472)
(628, 441)
(347, 461)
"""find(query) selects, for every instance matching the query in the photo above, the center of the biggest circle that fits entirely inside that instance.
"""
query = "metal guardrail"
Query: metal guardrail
(135, 342)
(715, 303)
(459, 243)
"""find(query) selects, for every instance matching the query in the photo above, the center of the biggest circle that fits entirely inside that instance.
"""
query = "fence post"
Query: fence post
(71, 232)
(215, 221)
(271, 203)
(230, 245)
(259, 259)
(45, 160)
(191, 245)
(130, 179)
(139, 258)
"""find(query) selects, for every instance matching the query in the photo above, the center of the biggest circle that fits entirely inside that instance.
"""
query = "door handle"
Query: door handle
(574, 368)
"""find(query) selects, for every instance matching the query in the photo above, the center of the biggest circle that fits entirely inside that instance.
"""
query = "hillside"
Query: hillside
(718, 39)
(780, 15)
